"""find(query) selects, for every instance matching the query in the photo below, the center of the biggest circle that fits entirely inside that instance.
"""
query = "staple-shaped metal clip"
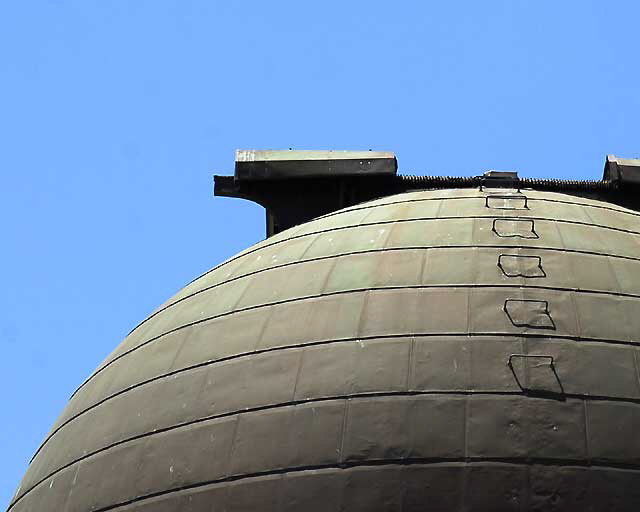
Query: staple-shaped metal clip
(505, 198)
(538, 356)
(535, 313)
(538, 380)
(516, 270)
(511, 233)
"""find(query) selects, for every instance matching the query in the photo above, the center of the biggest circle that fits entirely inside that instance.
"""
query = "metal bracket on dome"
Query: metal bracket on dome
(533, 313)
(297, 186)
(513, 233)
(623, 171)
(499, 179)
(530, 356)
(537, 380)
(534, 271)
(504, 199)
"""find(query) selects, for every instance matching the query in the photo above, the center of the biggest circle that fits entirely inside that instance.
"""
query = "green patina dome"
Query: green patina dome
(444, 350)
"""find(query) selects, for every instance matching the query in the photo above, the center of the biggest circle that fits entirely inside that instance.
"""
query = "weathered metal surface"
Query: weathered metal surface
(624, 171)
(446, 350)
(297, 186)
(252, 164)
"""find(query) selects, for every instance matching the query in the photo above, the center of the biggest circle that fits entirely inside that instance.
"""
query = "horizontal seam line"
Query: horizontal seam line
(543, 199)
(361, 290)
(415, 201)
(211, 362)
(318, 343)
(526, 462)
(579, 339)
(392, 203)
(418, 219)
(293, 403)
(373, 251)
(354, 291)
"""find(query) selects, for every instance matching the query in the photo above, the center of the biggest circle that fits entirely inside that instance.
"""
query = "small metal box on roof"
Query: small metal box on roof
(622, 170)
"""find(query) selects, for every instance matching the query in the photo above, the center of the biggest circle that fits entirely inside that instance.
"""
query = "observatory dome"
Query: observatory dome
(459, 349)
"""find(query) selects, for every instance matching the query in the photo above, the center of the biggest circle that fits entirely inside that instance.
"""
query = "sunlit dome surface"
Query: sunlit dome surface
(457, 349)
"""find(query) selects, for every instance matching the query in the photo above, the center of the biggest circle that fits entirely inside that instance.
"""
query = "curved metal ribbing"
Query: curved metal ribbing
(625, 226)
(478, 336)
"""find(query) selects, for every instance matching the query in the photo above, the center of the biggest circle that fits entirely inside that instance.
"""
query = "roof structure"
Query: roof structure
(425, 343)
(297, 186)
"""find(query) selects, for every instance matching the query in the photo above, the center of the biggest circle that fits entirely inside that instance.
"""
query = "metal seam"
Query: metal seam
(244, 253)
(587, 449)
(378, 463)
(526, 336)
(317, 343)
(421, 219)
(346, 398)
(559, 201)
(361, 290)
(635, 363)
(416, 219)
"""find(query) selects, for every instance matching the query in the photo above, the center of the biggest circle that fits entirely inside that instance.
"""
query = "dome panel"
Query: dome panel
(462, 346)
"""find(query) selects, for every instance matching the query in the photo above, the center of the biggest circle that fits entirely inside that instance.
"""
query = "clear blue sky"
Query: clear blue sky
(115, 115)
